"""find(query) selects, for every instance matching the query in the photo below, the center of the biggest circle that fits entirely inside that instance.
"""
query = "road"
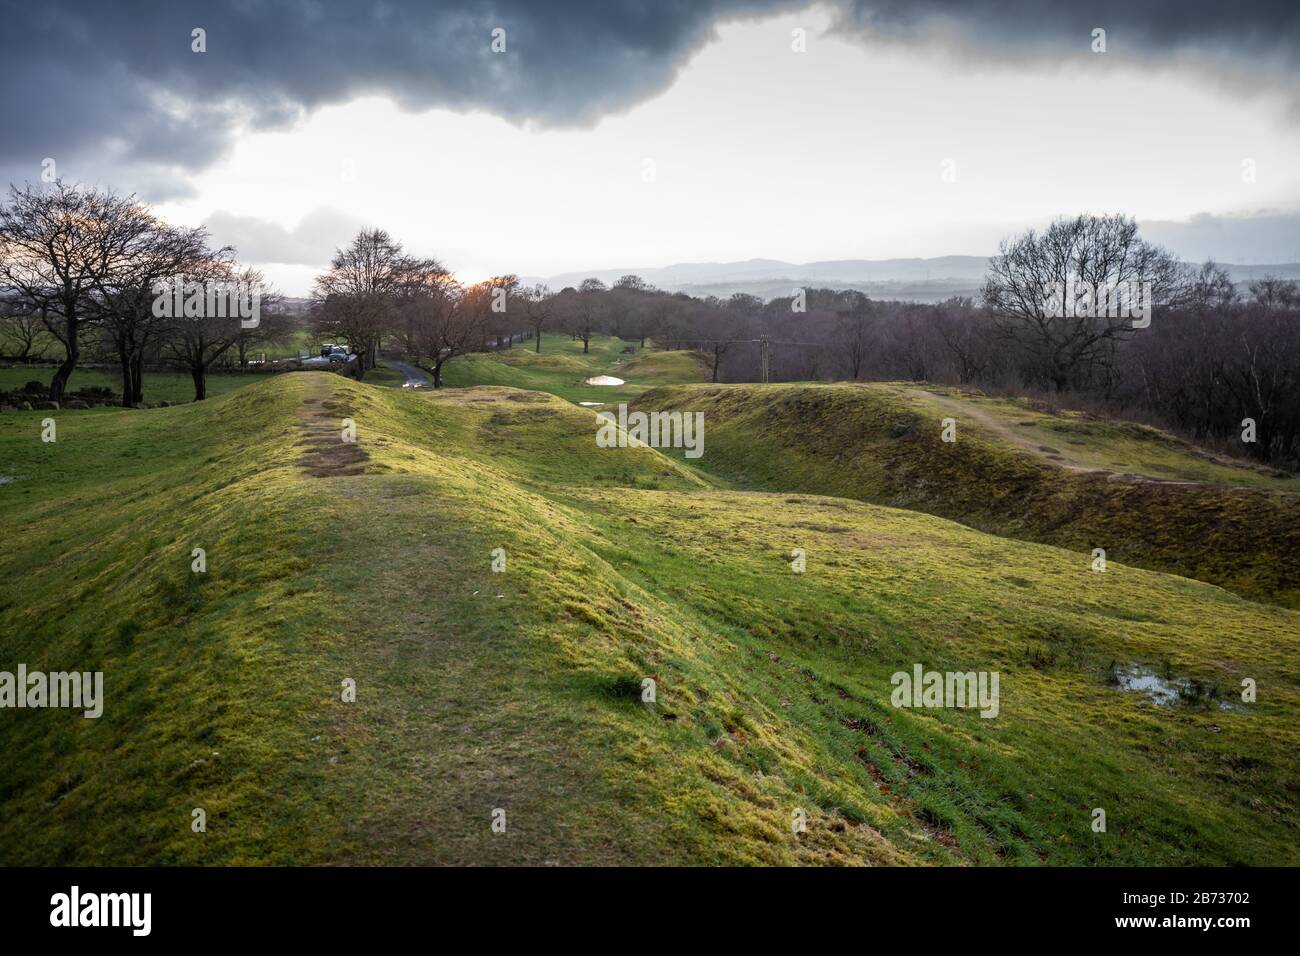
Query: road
(415, 378)
(319, 361)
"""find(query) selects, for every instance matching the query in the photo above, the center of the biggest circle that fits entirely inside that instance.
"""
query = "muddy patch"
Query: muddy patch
(334, 459)
(325, 453)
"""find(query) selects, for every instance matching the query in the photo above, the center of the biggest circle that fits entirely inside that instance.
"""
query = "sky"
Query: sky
(632, 134)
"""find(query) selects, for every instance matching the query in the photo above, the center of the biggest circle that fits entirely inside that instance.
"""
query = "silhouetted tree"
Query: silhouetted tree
(1068, 258)
(58, 245)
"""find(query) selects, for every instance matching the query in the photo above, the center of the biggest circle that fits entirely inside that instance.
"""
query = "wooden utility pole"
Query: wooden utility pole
(762, 349)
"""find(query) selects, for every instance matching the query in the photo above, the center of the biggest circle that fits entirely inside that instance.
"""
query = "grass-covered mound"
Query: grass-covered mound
(562, 368)
(883, 443)
(522, 690)
(673, 367)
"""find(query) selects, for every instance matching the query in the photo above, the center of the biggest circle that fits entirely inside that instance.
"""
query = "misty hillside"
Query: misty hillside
(917, 280)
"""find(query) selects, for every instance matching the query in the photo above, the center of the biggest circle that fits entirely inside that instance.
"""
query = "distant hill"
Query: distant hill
(917, 280)
(923, 279)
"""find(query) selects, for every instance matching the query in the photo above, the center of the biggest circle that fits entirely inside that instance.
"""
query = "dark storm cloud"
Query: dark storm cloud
(1246, 31)
(122, 80)
(116, 85)
(1245, 49)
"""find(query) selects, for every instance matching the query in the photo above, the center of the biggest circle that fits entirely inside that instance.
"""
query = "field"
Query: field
(1018, 469)
(1080, 442)
(158, 386)
(523, 690)
(562, 369)
(883, 443)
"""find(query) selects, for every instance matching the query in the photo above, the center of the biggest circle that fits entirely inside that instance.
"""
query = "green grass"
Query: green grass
(302, 342)
(562, 369)
(385, 376)
(1078, 440)
(479, 690)
(881, 443)
(158, 386)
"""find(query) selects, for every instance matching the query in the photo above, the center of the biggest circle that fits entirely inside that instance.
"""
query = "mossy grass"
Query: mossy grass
(562, 368)
(479, 690)
(883, 442)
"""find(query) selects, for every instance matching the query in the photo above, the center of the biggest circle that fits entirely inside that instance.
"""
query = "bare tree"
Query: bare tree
(587, 312)
(718, 327)
(431, 284)
(58, 245)
(125, 298)
(1042, 290)
(356, 297)
(1263, 374)
(1274, 293)
(274, 328)
(965, 333)
(499, 324)
(460, 329)
(914, 343)
(853, 338)
(1205, 288)
(657, 315)
(25, 327)
(440, 322)
(539, 310)
(195, 342)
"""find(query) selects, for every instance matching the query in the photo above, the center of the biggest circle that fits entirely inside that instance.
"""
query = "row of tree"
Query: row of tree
(1200, 359)
(80, 264)
(1198, 356)
(1200, 369)
(375, 293)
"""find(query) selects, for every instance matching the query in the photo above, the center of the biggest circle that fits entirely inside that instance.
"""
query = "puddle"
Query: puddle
(590, 404)
(1145, 681)
(5, 479)
(1162, 691)
(605, 380)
